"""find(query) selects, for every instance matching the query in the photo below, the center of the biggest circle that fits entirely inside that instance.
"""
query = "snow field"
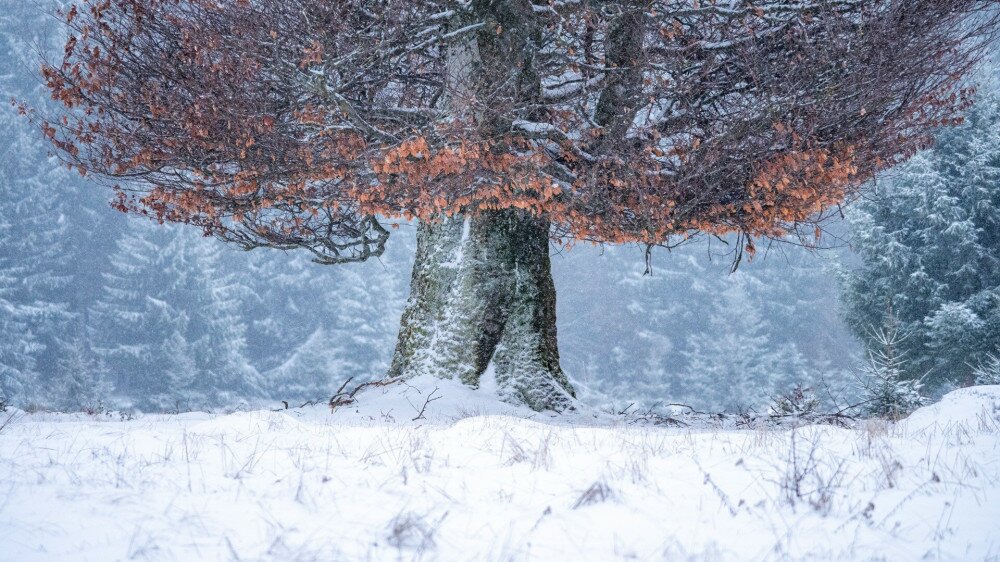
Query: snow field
(475, 480)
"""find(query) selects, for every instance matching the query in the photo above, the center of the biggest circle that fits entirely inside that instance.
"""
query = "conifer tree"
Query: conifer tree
(930, 248)
(54, 235)
(80, 381)
(171, 331)
(346, 334)
(988, 372)
(736, 365)
(886, 390)
(18, 376)
(688, 309)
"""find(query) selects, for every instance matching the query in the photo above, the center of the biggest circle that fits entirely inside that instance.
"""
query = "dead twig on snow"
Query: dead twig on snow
(423, 409)
(342, 398)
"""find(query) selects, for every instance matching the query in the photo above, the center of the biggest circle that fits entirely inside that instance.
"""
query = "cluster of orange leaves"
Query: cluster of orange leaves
(796, 185)
(418, 181)
(241, 158)
(792, 187)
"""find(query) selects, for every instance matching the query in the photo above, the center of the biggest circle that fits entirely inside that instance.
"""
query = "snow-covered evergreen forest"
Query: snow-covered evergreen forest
(774, 236)
(122, 312)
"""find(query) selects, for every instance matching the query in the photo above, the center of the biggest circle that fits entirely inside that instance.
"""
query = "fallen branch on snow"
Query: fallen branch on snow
(342, 398)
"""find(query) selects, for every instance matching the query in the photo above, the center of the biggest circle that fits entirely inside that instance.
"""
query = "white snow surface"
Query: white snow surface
(475, 479)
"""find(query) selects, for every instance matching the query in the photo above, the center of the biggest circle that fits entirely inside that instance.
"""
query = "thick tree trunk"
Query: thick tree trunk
(482, 301)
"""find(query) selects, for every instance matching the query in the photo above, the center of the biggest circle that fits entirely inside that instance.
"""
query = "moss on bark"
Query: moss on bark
(481, 294)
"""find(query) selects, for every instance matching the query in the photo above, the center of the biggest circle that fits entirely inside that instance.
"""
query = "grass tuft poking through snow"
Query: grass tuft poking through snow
(396, 476)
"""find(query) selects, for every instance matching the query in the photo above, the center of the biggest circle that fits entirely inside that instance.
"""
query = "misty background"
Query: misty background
(97, 308)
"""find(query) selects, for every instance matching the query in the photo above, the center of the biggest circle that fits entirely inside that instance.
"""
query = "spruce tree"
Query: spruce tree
(929, 244)
(171, 330)
(80, 381)
(353, 326)
(18, 376)
(736, 365)
(886, 391)
(56, 231)
(988, 372)
(672, 335)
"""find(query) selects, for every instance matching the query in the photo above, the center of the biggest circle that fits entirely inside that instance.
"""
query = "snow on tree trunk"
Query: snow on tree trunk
(482, 301)
(482, 298)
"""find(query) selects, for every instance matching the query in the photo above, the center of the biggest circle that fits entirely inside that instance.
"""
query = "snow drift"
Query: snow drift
(473, 479)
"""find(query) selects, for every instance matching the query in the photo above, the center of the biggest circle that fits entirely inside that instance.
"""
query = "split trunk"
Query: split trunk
(483, 304)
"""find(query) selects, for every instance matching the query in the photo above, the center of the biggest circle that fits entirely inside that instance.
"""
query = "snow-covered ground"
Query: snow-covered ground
(476, 480)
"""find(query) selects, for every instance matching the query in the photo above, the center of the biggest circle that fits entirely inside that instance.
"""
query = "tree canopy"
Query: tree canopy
(298, 124)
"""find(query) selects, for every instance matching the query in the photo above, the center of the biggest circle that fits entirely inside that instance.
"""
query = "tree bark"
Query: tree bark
(482, 302)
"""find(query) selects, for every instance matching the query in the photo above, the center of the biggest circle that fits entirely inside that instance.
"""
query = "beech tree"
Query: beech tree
(500, 125)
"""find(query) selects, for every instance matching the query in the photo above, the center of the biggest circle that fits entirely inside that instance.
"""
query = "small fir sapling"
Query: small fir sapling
(886, 392)
(799, 402)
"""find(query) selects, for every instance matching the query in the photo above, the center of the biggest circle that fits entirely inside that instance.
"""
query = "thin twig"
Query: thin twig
(430, 398)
